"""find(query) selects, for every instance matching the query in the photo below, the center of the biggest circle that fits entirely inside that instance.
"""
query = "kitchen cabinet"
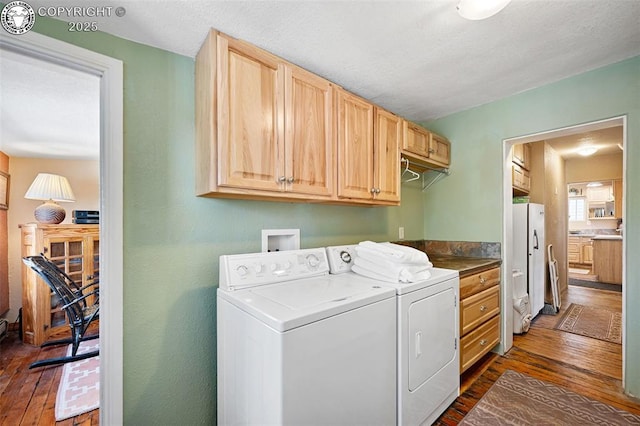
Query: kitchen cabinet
(425, 146)
(479, 315)
(607, 260)
(368, 151)
(74, 249)
(521, 155)
(520, 180)
(617, 195)
(580, 250)
(520, 167)
(264, 127)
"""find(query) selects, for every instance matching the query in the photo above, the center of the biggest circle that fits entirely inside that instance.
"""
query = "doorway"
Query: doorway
(110, 71)
(508, 144)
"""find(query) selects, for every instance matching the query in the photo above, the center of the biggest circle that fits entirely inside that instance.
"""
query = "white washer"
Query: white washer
(427, 324)
(297, 346)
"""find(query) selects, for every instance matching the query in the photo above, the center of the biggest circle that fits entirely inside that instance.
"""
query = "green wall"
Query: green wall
(468, 204)
(172, 239)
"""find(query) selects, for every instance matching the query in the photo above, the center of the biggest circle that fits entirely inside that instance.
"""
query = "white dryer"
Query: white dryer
(427, 323)
(297, 346)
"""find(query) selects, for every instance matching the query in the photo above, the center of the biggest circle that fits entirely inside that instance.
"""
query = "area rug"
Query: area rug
(518, 399)
(597, 323)
(79, 389)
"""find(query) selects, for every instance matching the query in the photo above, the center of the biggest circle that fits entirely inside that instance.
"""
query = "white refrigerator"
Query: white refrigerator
(529, 249)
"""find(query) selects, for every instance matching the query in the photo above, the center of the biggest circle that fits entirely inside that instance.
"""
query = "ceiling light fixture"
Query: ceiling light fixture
(587, 151)
(476, 10)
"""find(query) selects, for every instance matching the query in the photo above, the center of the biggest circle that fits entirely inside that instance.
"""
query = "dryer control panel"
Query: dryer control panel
(255, 269)
(341, 258)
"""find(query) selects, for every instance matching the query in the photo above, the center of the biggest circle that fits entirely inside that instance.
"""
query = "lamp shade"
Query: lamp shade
(50, 188)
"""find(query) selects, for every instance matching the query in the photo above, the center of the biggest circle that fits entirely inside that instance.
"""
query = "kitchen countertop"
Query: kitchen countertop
(607, 237)
(464, 265)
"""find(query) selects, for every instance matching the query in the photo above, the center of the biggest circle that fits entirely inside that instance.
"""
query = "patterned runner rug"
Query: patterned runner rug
(518, 399)
(587, 321)
(79, 389)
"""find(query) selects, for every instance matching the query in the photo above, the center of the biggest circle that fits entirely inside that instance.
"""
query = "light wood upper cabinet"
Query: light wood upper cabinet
(250, 108)
(618, 194)
(368, 151)
(422, 144)
(268, 129)
(355, 146)
(265, 128)
(387, 137)
(309, 138)
(521, 155)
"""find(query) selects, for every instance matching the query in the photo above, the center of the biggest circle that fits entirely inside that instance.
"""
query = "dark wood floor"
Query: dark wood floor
(587, 366)
(28, 397)
(583, 365)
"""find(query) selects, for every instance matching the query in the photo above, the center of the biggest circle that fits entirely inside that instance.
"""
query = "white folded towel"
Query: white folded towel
(390, 272)
(392, 252)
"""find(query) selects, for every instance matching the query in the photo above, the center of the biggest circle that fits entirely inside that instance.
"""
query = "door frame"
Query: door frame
(507, 219)
(110, 71)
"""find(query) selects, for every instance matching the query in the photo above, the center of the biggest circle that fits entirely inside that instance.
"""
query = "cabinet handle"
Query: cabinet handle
(373, 190)
(432, 151)
(482, 279)
(483, 308)
(483, 342)
(377, 190)
(290, 179)
(282, 179)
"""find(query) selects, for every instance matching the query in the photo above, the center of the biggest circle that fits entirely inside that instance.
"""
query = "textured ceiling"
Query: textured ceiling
(47, 110)
(418, 59)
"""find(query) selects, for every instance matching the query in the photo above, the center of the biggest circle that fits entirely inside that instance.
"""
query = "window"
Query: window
(577, 209)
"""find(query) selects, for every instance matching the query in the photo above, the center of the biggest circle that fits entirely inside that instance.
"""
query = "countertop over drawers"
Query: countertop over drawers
(463, 264)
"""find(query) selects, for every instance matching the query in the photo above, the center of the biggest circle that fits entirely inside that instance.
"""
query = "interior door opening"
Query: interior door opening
(110, 71)
(595, 215)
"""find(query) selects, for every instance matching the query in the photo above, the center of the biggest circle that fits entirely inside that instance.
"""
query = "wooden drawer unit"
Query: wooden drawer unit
(478, 342)
(479, 315)
(479, 282)
(480, 307)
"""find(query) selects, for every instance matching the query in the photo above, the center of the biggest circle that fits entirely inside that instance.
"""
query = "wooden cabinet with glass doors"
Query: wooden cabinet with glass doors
(76, 250)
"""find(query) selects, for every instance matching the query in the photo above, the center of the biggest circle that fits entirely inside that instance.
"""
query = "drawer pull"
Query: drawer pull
(482, 279)
(483, 342)
(483, 308)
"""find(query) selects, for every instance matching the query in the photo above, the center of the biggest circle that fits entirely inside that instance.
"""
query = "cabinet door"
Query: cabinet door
(574, 250)
(69, 254)
(309, 137)
(617, 195)
(416, 139)
(250, 117)
(521, 155)
(439, 149)
(388, 137)
(355, 147)
(587, 252)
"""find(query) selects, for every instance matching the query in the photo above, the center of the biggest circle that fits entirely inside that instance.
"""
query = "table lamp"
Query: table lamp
(50, 188)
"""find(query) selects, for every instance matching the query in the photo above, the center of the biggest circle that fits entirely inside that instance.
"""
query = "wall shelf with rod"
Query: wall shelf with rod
(413, 171)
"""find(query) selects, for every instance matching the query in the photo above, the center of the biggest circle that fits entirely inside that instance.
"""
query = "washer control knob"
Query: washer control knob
(259, 268)
(313, 261)
(242, 270)
(345, 256)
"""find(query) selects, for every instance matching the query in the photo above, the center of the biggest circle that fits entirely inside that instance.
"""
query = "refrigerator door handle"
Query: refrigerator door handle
(536, 245)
